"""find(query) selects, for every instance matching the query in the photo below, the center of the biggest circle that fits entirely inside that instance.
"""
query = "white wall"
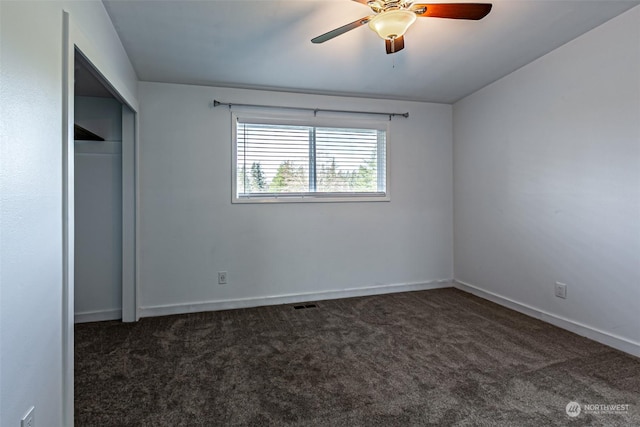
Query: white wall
(190, 230)
(31, 196)
(547, 184)
(98, 211)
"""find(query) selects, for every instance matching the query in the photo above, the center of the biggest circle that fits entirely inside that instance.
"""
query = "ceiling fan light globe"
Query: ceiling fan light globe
(392, 23)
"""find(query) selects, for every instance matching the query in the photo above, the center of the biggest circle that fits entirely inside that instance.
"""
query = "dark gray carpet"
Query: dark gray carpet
(440, 357)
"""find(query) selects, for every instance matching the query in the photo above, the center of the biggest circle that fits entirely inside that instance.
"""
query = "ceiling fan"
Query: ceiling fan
(392, 18)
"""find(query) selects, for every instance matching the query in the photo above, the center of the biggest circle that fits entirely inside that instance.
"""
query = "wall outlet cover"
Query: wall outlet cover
(222, 277)
(561, 290)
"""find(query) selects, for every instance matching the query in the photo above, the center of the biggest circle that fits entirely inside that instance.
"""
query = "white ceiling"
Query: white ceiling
(265, 44)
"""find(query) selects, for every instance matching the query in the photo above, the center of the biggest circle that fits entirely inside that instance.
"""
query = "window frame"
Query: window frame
(315, 121)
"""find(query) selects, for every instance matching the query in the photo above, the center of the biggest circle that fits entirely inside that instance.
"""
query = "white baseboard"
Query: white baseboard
(602, 337)
(97, 316)
(164, 310)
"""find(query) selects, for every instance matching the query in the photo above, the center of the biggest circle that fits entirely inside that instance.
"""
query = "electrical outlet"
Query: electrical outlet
(561, 290)
(222, 277)
(29, 418)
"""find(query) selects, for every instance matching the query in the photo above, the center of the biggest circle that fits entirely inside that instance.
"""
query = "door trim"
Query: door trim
(74, 40)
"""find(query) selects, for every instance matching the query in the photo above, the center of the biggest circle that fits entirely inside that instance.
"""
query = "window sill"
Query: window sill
(312, 198)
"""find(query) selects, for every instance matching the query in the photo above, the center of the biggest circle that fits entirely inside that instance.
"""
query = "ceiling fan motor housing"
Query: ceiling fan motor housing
(379, 6)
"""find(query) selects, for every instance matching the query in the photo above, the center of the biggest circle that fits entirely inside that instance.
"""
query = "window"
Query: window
(287, 162)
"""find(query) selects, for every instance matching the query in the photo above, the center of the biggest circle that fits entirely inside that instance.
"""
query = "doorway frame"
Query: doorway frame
(74, 40)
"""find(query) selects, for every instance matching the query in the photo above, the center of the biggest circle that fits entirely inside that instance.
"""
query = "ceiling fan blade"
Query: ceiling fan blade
(338, 31)
(473, 11)
(394, 45)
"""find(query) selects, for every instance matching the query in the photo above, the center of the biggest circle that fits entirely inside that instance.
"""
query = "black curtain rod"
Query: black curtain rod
(315, 110)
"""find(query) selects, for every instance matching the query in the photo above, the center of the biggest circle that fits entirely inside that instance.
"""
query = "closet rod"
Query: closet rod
(315, 110)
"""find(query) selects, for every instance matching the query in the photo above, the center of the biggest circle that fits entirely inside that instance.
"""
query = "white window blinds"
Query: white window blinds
(275, 160)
